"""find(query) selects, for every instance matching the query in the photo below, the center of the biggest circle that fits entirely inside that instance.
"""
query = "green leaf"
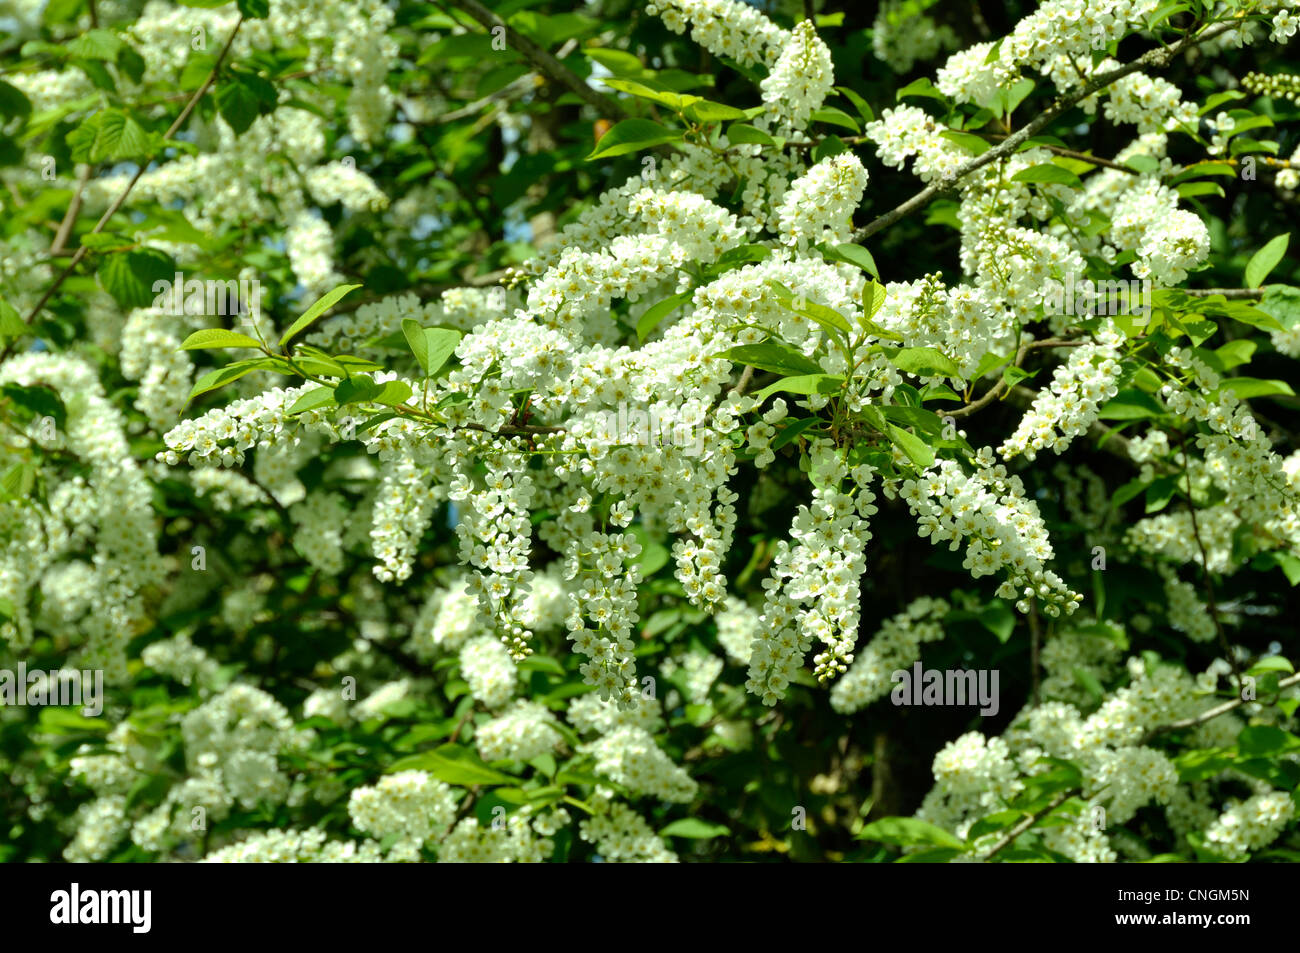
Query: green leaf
(827, 318)
(695, 829)
(923, 362)
(1159, 492)
(873, 297)
(64, 721)
(1191, 190)
(316, 399)
(1290, 565)
(216, 338)
(858, 102)
(740, 133)
(431, 346)
(356, 390)
(393, 394)
(998, 618)
(705, 111)
(231, 372)
(1201, 170)
(1130, 404)
(618, 62)
(1265, 739)
(735, 258)
(1247, 387)
(453, 764)
(916, 449)
(920, 87)
(12, 324)
(792, 429)
(254, 9)
(655, 314)
(992, 823)
(972, 143)
(1272, 663)
(1265, 260)
(632, 135)
(242, 97)
(773, 356)
(130, 276)
(1282, 304)
(17, 481)
(96, 45)
(1234, 354)
(110, 134)
(802, 384)
(907, 831)
(37, 401)
(1048, 173)
(835, 117)
(1012, 96)
(854, 255)
(323, 304)
(14, 103)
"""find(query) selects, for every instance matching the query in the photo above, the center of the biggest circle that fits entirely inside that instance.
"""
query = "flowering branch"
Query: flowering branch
(1156, 58)
(122, 196)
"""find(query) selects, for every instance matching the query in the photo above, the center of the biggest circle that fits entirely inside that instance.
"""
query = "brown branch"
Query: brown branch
(74, 208)
(542, 59)
(1156, 58)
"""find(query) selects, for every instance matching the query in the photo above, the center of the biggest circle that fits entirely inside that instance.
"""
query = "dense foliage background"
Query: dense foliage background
(295, 662)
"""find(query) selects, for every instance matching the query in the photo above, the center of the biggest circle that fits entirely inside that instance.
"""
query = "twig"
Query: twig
(1215, 712)
(1081, 156)
(1027, 823)
(996, 390)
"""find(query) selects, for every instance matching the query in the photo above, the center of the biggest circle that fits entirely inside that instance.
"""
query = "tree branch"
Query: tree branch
(74, 208)
(1027, 823)
(543, 60)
